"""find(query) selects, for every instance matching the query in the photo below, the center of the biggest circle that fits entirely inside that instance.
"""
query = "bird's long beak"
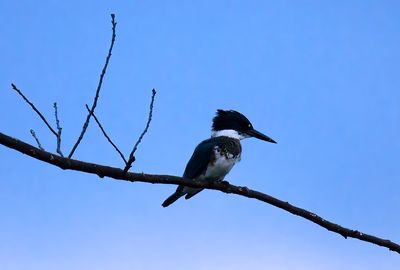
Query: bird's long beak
(256, 134)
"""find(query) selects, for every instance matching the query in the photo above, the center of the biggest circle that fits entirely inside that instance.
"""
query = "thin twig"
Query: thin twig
(131, 155)
(103, 72)
(34, 108)
(116, 173)
(59, 130)
(36, 139)
(107, 137)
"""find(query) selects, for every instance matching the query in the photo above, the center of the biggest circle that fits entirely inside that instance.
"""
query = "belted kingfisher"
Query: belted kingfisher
(214, 158)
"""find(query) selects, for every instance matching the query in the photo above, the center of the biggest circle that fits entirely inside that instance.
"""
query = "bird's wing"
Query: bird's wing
(199, 160)
(196, 166)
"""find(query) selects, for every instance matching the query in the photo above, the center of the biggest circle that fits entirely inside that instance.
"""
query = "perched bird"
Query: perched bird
(214, 158)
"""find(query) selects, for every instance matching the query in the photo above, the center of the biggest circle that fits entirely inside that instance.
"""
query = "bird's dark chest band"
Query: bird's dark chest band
(228, 147)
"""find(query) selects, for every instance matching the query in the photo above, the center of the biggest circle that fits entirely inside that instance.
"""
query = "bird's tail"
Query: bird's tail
(171, 199)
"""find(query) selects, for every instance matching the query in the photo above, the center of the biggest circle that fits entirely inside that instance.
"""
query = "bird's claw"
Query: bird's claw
(225, 183)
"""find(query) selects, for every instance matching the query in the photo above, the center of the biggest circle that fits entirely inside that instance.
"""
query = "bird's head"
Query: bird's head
(234, 124)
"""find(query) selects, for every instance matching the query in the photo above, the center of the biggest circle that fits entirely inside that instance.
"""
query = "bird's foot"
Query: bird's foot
(225, 183)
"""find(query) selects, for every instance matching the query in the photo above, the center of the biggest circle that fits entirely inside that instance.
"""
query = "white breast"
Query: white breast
(221, 166)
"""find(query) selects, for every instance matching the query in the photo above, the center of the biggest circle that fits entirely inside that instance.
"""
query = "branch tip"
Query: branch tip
(131, 155)
(14, 87)
(36, 139)
(59, 130)
(96, 97)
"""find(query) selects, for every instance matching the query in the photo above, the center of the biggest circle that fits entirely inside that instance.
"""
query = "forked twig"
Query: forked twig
(103, 72)
(107, 137)
(57, 134)
(131, 155)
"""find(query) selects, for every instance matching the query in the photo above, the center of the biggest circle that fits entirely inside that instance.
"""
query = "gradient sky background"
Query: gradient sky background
(320, 77)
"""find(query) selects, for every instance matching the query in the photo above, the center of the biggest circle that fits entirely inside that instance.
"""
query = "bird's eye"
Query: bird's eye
(249, 125)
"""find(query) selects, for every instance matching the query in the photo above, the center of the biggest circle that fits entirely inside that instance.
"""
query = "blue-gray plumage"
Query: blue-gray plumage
(214, 158)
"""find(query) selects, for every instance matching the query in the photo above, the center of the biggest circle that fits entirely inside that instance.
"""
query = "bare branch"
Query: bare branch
(36, 139)
(103, 72)
(119, 174)
(59, 130)
(116, 173)
(131, 155)
(34, 108)
(105, 135)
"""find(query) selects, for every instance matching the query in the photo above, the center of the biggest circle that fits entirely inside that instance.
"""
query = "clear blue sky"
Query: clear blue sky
(320, 77)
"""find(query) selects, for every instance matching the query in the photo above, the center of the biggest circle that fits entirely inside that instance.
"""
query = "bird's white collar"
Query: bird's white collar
(228, 133)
